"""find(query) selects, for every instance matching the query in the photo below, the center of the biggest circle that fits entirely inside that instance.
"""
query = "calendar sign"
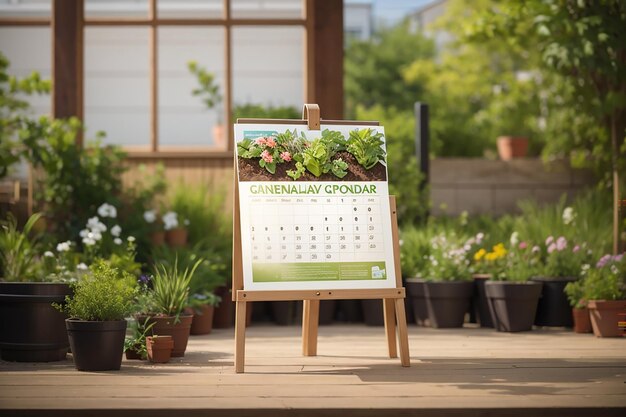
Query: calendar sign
(314, 207)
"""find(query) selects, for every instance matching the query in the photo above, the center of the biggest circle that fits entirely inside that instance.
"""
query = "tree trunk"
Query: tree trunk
(616, 195)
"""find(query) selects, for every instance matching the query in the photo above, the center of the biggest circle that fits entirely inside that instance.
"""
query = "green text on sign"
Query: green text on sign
(318, 271)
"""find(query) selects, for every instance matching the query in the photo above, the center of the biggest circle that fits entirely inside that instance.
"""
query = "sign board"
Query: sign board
(314, 207)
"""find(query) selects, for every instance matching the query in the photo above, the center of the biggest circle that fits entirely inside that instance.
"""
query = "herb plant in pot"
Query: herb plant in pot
(97, 310)
(448, 287)
(580, 312)
(135, 344)
(605, 289)
(168, 298)
(31, 330)
(511, 295)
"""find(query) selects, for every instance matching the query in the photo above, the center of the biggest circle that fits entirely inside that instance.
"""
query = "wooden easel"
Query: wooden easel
(393, 298)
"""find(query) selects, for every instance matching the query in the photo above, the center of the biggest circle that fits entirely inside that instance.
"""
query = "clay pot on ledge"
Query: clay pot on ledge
(582, 322)
(510, 147)
(606, 316)
(157, 238)
(159, 348)
(177, 237)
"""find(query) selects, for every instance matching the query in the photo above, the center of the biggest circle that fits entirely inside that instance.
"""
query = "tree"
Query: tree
(583, 41)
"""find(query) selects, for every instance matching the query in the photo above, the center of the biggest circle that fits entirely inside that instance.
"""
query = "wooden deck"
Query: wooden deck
(459, 372)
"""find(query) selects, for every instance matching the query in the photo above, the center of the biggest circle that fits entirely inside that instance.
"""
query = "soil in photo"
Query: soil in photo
(249, 170)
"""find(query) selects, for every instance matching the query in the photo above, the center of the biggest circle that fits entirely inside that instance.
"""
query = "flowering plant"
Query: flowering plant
(152, 219)
(562, 259)
(491, 262)
(607, 280)
(172, 220)
(271, 150)
(449, 259)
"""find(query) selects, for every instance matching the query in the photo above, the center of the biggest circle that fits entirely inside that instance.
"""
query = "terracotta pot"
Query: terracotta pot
(447, 302)
(510, 147)
(176, 238)
(481, 304)
(157, 238)
(159, 348)
(582, 321)
(168, 326)
(605, 317)
(513, 304)
(224, 315)
(202, 320)
(219, 136)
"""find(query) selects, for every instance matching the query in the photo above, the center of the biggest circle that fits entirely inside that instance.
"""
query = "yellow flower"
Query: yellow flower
(479, 255)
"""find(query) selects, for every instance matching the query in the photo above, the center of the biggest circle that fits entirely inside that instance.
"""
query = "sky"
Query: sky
(390, 11)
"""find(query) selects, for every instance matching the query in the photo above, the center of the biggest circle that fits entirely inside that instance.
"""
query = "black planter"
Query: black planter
(373, 314)
(350, 311)
(481, 305)
(447, 302)
(554, 309)
(513, 304)
(284, 312)
(31, 330)
(97, 345)
(417, 295)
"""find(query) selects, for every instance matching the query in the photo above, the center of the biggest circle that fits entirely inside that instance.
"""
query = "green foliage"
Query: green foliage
(607, 281)
(208, 88)
(137, 340)
(414, 250)
(297, 173)
(317, 158)
(575, 291)
(448, 259)
(103, 295)
(367, 147)
(171, 287)
(18, 251)
(259, 111)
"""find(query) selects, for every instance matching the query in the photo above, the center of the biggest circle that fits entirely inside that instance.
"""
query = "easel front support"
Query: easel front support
(240, 336)
(390, 326)
(310, 323)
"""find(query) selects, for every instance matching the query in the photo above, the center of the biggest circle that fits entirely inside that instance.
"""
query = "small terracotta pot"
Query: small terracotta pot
(582, 322)
(510, 147)
(169, 326)
(159, 348)
(157, 238)
(605, 317)
(176, 238)
(203, 320)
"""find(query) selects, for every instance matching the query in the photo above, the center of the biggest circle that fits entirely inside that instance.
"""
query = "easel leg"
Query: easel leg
(403, 334)
(390, 326)
(240, 336)
(310, 321)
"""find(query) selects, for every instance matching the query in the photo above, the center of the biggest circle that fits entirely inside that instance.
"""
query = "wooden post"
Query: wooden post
(390, 326)
(240, 336)
(310, 323)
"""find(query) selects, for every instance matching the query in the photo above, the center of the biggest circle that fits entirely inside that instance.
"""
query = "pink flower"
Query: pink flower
(523, 245)
(576, 249)
(561, 243)
(267, 157)
(285, 156)
(260, 141)
(549, 240)
(552, 247)
(270, 142)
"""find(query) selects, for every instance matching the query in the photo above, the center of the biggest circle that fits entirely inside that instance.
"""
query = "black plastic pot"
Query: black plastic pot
(417, 295)
(31, 330)
(373, 314)
(284, 313)
(481, 305)
(350, 311)
(97, 345)
(554, 309)
(447, 302)
(513, 304)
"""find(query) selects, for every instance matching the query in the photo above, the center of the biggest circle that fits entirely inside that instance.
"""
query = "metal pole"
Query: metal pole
(422, 141)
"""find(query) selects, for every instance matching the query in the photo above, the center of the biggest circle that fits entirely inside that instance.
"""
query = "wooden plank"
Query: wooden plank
(395, 237)
(237, 284)
(321, 294)
(67, 59)
(21, 21)
(310, 323)
(240, 336)
(154, 78)
(304, 122)
(389, 314)
(403, 334)
(228, 88)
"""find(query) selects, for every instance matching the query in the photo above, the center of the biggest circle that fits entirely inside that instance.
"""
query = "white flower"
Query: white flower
(48, 254)
(89, 241)
(131, 238)
(81, 267)
(84, 232)
(95, 236)
(614, 269)
(94, 224)
(401, 242)
(150, 216)
(514, 239)
(170, 220)
(186, 222)
(116, 230)
(64, 246)
(107, 210)
(568, 215)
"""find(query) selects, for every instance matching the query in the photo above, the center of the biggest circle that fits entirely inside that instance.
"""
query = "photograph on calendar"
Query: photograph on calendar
(327, 156)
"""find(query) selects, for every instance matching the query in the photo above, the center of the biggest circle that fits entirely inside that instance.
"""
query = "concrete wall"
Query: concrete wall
(495, 187)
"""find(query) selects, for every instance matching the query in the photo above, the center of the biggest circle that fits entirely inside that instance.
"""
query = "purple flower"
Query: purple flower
(618, 258)
(561, 243)
(144, 278)
(549, 240)
(552, 247)
(603, 261)
(576, 249)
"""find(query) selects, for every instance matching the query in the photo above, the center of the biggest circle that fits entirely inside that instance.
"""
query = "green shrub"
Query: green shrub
(170, 287)
(18, 252)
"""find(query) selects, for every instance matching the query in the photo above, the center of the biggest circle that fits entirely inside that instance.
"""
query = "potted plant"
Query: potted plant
(209, 91)
(510, 147)
(512, 297)
(159, 348)
(414, 251)
(31, 330)
(96, 325)
(175, 230)
(580, 313)
(605, 288)
(167, 300)
(156, 231)
(448, 287)
(135, 344)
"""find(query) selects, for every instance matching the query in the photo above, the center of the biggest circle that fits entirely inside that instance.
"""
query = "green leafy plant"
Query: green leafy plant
(575, 291)
(264, 112)
(105, 294)
(366, 146)
(296, 173)
(317, 158)
(137, 340)
(607, 280)
(209, 90)
(171, 287)
(18, 251)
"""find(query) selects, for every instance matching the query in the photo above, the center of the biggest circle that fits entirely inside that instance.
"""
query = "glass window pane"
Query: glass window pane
(184, 120)
(266, 9)
(116, 8)
(26, 8)
(29, 49)
(268, 66)
(190, 9)
(117, 84)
